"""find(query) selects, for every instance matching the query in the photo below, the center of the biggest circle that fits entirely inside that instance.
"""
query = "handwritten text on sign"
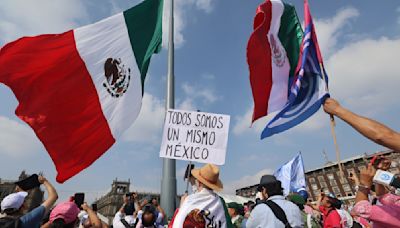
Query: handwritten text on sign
(195, 136)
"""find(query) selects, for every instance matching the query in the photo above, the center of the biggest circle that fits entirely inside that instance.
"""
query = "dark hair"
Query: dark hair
(11, 211)
(129, 208)
(336, 203)
(273, 189)
(149, 209)
(60, 223)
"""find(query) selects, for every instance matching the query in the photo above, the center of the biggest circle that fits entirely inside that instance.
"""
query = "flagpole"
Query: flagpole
(333, 124)
(168, 182)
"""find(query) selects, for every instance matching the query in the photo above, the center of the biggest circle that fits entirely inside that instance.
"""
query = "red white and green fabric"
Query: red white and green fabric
(272, 54)
(80, 90)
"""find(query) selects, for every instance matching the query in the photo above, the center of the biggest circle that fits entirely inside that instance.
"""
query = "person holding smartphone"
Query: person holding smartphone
(13, 206)
(125, 215)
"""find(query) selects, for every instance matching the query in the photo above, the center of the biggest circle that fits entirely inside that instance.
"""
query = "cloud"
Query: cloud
(329, 30)
(181, 17)
(148, 126)
(17, 139)
(245, 181)
(196, 95)
(30, 17)
(364, 74)
(206, 94)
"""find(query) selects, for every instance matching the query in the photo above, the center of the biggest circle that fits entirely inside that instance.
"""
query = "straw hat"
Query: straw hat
(209, 176)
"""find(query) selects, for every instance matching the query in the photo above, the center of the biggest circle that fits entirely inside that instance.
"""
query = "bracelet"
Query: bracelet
(362, 188)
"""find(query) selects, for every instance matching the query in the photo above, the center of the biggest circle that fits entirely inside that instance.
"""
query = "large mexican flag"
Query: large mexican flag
(80, 90)
(272, 54)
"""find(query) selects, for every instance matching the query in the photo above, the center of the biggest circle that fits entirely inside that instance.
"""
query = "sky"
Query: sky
(359, 40)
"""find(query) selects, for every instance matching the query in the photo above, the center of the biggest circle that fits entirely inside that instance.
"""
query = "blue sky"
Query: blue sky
(360, 42)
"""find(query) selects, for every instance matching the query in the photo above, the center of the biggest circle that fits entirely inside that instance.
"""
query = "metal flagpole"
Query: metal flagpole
(168, 182)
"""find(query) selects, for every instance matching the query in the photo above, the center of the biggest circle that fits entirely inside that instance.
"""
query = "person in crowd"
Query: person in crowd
(125, 215)
(247, 211)
(274, 210)
(235, 211)
(386, 213)
(150, 217)
(13, 205)
(88, 218)
(328, 205)
(205, 202)
(308, 219)
(371, 129)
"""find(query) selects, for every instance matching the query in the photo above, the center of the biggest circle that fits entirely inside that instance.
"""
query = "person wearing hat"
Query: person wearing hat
(308, 219)
(327, 205)
(274, 210)
(205, 201)
(235, 210)
(13, 206)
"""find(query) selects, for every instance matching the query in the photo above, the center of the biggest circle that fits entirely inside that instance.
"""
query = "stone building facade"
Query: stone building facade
(34, 198)
(328, 177)
(111, 202)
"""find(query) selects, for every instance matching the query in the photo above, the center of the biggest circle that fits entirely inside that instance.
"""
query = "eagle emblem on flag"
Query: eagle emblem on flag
(117, 77)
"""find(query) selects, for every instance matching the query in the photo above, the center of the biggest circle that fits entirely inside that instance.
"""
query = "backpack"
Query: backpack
(345, 217)
(9, 222)
(278, 212)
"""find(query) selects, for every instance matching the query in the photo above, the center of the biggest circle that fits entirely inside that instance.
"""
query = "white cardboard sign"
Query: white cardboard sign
(195, 136)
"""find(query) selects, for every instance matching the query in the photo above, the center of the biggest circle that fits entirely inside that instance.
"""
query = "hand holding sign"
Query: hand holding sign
(195, 136)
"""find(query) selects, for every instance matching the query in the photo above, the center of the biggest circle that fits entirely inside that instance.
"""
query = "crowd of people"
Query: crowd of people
(376, 205)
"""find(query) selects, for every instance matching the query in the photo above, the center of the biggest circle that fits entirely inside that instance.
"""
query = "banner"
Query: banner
(195, 136)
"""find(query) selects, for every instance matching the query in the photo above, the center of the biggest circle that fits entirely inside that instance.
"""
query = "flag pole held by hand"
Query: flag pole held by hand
(333, 124)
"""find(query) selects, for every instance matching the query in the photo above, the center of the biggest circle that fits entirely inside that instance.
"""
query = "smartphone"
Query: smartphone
(79, 199)
(94, 207)
(29, 183)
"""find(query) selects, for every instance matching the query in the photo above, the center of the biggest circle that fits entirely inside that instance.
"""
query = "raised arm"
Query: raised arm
(371, 129)
(94, 219)
(51, 192)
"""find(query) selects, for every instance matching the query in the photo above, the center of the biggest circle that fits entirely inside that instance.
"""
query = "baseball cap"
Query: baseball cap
(13, 201)
(68, 211)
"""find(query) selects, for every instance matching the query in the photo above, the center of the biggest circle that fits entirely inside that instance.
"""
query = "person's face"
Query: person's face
(154, 202)
(325, 202)
(231, 212)
(264, 193)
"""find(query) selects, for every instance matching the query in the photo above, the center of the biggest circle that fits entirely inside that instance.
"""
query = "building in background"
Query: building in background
(328, 178)
(34, 198)
(111, 202)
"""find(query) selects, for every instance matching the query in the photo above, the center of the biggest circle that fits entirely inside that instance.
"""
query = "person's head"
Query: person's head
(14, 203)
(234, 209)
(64, 215)
(129, 208)
(297, 199)
(207, 177)
(269, 186)
(303, 193)
(330, 201)
(149, 215)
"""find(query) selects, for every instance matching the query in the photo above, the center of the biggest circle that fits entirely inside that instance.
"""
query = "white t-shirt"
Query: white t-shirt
(130, 219)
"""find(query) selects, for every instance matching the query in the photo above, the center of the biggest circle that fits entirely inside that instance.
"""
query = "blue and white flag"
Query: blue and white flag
(308, 89)
(292, 175)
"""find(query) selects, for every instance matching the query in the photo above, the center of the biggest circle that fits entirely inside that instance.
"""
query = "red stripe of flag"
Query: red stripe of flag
(259, 60)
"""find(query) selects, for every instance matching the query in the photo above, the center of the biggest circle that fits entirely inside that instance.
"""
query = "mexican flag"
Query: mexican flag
(202, 209)
(272, 54)
(80, 90)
